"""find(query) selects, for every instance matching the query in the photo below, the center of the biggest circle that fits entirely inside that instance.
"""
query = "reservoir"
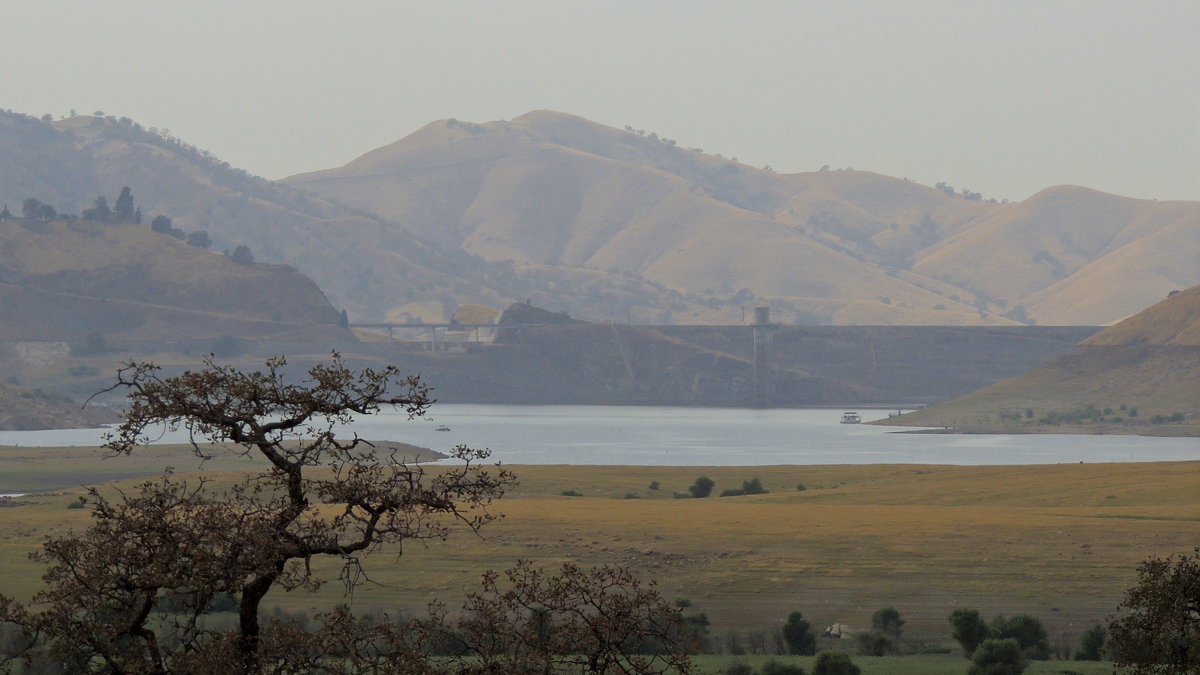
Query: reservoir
(677, 436)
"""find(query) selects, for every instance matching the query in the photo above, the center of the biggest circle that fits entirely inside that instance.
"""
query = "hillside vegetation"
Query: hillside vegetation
(76, 280)
(1140, 376)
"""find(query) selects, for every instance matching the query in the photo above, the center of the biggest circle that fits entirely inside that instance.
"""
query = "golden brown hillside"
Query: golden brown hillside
(71, 280)
(1140, 376)
(851, 247)
(619, 224)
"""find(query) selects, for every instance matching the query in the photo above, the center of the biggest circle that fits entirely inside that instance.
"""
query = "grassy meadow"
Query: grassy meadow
(1060, 542)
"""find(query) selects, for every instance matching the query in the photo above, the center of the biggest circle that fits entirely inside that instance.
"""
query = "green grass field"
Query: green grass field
(904, 665)
(1060, 542)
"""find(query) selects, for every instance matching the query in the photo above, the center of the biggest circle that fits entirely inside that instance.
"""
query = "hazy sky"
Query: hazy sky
(1005, 98)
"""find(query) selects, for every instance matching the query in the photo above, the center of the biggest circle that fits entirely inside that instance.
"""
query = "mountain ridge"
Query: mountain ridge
(527, 186)
(605, 223)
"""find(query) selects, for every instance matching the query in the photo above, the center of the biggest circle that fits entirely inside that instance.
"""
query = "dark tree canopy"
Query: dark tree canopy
(887, 621)
(798, 635)
(1159, 629)
(161, 224)
(200, 239)
(98, 211)
(968, 629)
(702, 487)
(1091, 644)
(123, 209)
(242, 255)
(835, 663)
(1028, 631)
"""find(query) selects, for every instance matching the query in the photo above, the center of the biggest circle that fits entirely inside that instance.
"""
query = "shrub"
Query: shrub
(632, 495)
(835, 663)
(738, 668)
(998, 657)
(753, 486)
(78, 504)
(773, 667)
(875, 643)
(702, 487)
(732, 492)
(570, 493)
(800, 487)
(654, 485)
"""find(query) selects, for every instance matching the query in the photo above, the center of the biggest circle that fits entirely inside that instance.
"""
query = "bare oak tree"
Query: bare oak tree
(321, 496)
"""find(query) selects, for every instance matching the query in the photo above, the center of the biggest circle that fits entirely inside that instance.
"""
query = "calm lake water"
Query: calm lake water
(651, 436)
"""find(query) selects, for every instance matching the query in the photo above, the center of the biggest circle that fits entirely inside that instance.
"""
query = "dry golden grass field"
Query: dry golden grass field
(1060, 542)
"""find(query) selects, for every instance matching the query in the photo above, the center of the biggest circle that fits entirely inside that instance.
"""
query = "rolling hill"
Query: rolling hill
(1141, 375)
(845, 247)
(71, 281)
(364, 264)
(567, 214)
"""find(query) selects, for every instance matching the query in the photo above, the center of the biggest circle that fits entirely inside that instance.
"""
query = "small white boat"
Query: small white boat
(443, 428)
(850, 418)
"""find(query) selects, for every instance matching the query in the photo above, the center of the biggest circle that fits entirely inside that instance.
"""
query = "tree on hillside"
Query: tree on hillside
(242, 255)
(123, 209)
(31, 209)
(5, 214)
(98, 211)
(200, 239)
(1160, 629)
(161, 224)
(324, 495)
